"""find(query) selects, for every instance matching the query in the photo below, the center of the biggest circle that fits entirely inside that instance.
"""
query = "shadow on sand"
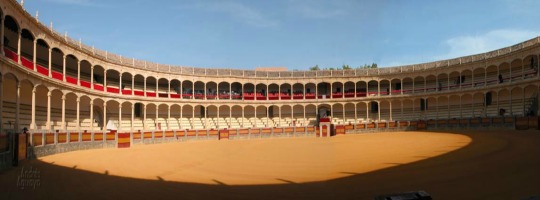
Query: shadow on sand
(492, 166)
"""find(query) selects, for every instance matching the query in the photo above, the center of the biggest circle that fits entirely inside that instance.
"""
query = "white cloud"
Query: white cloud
(492, 40)
(237, 10)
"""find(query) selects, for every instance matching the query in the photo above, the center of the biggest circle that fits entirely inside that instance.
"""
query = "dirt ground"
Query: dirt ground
(480, 165)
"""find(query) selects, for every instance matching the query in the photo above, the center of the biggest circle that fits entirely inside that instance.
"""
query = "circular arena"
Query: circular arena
(79, 122)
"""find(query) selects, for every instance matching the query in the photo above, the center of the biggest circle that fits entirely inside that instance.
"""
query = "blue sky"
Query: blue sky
(297, 34)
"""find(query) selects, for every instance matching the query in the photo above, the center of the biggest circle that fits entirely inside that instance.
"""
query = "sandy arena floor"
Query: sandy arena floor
(467, 166)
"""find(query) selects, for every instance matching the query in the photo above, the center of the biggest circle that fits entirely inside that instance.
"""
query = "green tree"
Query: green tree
(346, 66)
(314, 68)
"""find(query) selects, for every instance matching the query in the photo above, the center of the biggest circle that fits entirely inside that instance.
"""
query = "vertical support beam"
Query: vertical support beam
(50, 62)
(34, 57)
(390, 102)
(132, 116)
(19, 46)
(64, 67)
(18, 107)
(120, 84)
(169, 91)
(104, 115)
(105, 80)
(78, 72)
(145, 85)
(168, 116)
(48, 125)
(132, 85)
(78, 114)
(91, 77)
(63, 112)
(119, 117)
(33, 123)
(91, 115)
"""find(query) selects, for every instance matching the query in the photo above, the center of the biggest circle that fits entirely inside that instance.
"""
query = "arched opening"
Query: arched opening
(297, 89)
(163, 88)
(419, 84)
(285, 116)
(395, 85)
(249, 114)
(162, 117)
(113, 81)
(442, 84)
(199, 90)
(310, 91)
(311, 114)
(175, 87)
(337, 90)
(224, 117)
(504, 73)
(98, 78)
(187, 89)
(187, 115)
(151, 86)
(261, 91)
(42, 58)
(71, 112)
(173, 121)
(112, 121)
(479, 76)
(236, 116)
(151, 117)
(298, 115)
(407, 85)
(361, 110)
(127, 83)
(224, 90)
(454, 106)
(385, 87)
(455, 80)
(248, 92)
(27, 49)
(72, 69)
(516, 69)
(11, 38)
(530, 64)
(236, 92)
(349, 113)
(431, 83)
(492, 75)
(57, 64)
(260, 119)
(211, 90)
(126, 123)
(361, 89)
(286, 92)
(323, 90)
(373, 88)
(138, 88)
(384, 111)
(86, 123)
(273, 92)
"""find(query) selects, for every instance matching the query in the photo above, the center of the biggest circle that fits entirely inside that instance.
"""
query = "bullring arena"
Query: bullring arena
(81, 123)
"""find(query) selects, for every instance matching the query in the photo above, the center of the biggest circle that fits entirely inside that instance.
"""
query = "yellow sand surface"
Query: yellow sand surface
(264, 161)
(500, 164)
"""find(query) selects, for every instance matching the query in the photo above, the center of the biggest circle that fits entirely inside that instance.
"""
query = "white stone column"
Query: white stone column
(78, 72)
(355, 112)
(91, 115)
(34, 55)
(105, 80)
(267, 116)
(120, 84)
(18, 107)
(132, 116)
(19, 47)
(33, 123)
(92, 77)
(119, 117)
(367, 110)
(63, 112)
(343, 108)
(390, 102)
(104, 116)
(169, 91)
(217, 125)
(64, 67)
(50, 62)
(156, 118)
(144, 115)
(168, 114)
(181, 117)
(48, 125)
(378, 111)
(132, 84)
(144, 86)
(78, 114)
